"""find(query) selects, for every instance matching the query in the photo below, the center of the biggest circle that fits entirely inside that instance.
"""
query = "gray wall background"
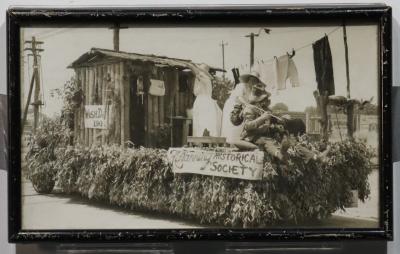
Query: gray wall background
(201, 247)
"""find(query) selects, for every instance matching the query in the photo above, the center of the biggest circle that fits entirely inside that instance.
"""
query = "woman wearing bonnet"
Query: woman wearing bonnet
(207, 115)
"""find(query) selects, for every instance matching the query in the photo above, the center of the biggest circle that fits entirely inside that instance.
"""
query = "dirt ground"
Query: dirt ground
(58, 211)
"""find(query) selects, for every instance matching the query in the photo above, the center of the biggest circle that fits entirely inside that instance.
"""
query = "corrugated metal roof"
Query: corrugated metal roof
(94, 53)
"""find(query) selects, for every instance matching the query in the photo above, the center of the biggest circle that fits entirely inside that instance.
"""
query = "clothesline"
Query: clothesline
(296, 49)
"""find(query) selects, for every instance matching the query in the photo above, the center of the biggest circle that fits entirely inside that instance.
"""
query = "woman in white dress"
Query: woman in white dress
(207, 115)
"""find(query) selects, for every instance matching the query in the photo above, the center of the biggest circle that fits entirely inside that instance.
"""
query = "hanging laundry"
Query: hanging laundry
(243, 68)
(286, 69)
(157, 87)
(267, 72)
(183, 83)
(236, 75)
(323, 66)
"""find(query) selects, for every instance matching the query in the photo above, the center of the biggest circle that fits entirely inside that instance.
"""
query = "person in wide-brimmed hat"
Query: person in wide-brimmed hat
(254, 113)
(252, 76)
(243, 91)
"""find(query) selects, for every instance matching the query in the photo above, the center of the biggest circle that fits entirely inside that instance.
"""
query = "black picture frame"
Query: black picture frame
(17, 17)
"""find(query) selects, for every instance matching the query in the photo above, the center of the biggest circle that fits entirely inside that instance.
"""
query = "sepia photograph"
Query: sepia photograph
(201, 126)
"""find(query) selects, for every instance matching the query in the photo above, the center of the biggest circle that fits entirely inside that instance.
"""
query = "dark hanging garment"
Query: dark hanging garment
(323, 66)
(236, 75)
(183, 83)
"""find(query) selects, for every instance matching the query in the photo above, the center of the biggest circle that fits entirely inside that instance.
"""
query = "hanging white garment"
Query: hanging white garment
(206, 112)
(230, 131)
(268, 74)
(286, 69)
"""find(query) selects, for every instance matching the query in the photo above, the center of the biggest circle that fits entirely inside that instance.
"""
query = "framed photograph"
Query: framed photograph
(228, 123)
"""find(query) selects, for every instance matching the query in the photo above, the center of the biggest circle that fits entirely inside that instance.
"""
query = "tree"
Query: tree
(221, 90)
(280, 106)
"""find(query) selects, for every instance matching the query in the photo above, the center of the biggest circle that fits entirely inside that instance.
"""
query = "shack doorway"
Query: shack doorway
(137, 111)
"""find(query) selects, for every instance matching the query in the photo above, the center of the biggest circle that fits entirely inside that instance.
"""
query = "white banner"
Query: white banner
(243, 165)
(96, 117)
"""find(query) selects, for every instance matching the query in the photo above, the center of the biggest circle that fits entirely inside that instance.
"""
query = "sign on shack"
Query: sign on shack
(130, 96)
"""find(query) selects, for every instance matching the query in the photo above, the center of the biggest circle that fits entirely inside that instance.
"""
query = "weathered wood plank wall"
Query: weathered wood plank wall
(109, 84)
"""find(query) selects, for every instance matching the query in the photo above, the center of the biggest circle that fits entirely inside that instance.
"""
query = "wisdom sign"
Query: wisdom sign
(243, 165)
(95, 116)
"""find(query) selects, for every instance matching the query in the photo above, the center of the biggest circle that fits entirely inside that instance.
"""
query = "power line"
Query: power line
(45, 33)
(54, 33)
(301, 47)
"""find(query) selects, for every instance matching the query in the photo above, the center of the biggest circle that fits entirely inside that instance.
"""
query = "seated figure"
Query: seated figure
(263, 130)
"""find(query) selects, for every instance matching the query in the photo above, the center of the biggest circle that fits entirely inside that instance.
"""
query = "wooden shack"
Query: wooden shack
(118, 83)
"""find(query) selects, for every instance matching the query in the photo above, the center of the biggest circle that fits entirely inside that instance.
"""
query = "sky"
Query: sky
(202, 45)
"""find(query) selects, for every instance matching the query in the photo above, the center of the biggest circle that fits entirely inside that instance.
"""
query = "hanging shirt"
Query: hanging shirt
(268, 75)
(286, 69)
(323, 66)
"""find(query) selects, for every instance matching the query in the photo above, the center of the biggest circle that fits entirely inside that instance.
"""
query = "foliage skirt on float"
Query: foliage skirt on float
(142, 179)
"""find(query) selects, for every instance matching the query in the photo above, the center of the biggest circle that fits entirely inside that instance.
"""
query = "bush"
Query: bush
(142, 179)
(41, 157)
(221, 89)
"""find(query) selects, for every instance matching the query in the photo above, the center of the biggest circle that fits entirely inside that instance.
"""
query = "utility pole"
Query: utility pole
(350, 104)
(35, 81)
(116, 29)
(251, 36)
(223, 57)
(346, 54)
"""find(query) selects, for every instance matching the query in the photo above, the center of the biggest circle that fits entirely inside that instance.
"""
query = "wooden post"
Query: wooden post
(156, 118)
(91, 89)
(223, 57)
(150, 119)
(94, 102)
(346, 53)
(28, 102)
(350, 119)
(174, 83)
(104, 101)
(99, 79)
(350, 104)
(116, 29)
(161, 110)
(251, 36)
(112, 103)
(82, 107)
(182, 104)
(36, 77)
(75, 138)
(127, 99)
(117, 99)
(122, 96)
(116, 37)
(87, 102)
(322, 106)
(109, 103)
(76, 115)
